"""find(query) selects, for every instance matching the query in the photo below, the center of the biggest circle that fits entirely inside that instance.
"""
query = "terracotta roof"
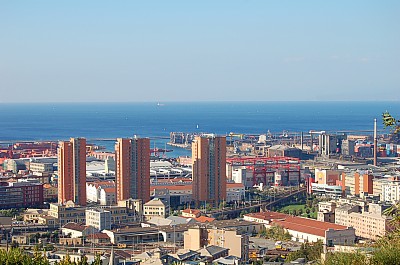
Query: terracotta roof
(109, 190)
(97, 184)
(75, 226)
(192, 211)
(204, 219)
(269, 216)
(99, 236)
(234, 185)
(300, 224)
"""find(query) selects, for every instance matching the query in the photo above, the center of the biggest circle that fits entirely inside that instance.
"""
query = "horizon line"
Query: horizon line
(198, 101)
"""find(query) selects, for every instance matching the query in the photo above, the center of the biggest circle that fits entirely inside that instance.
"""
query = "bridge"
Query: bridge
(264, 206)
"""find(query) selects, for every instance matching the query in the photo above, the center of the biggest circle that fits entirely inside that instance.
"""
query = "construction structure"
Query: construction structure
(266, 169)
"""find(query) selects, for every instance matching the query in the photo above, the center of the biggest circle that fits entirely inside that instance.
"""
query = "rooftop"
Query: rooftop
(75, 226)
(300, 224)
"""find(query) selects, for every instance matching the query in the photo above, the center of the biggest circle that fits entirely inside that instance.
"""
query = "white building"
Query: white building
(107, 196)
(76, 230)
(98, 218)
(390, 192)
(93, 190)
(239, 175)
(235, 192)
(327, 191)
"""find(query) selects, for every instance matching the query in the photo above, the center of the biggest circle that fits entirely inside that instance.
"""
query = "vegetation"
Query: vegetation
(15, 256)
(11, 212)
(390, 122)
(305, 207)
(355, 258)
(276, 232)
(308, 251)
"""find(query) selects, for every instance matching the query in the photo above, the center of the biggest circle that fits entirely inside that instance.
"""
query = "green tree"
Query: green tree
(308, 251)
(390, 122)
(97, 260)
(341, 258)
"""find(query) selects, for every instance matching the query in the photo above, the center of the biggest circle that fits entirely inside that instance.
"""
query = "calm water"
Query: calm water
(111, 120)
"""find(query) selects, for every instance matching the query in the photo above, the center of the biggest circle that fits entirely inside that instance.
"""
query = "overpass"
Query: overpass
(264, 206)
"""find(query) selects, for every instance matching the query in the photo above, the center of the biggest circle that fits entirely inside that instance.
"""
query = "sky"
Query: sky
(232, 50)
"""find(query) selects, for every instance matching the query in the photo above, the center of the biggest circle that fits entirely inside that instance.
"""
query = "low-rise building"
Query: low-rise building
(68, 213)
(98, 218)
(133, 235)
(191, 213)
(98, 238)
(284, 150)
(75, 230)
(121, 215)
(107, 196)
(326, 211)
(94, 190)
(41, 167)
(50, 192)
(201, 237)
(154, 207)
(235, 192)
(327, 191)
(305, 229)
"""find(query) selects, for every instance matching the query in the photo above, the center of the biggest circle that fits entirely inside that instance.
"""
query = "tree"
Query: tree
(308, 251)
(390, 122)
(341, 258)
(15, 256)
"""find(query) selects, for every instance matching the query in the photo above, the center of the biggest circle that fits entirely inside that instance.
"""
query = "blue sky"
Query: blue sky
(84, 51)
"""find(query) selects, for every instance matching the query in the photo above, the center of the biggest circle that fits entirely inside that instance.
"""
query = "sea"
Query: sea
(101, 121)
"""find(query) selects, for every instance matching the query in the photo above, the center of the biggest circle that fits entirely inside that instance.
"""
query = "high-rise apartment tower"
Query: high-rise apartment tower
(132, 165)
(209, 169)
(72, 171)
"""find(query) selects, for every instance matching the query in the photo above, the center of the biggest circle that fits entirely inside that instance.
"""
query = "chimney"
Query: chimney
(375, 144)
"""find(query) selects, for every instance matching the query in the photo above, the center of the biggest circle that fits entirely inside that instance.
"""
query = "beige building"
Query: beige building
(369, 222)
(153, 208)
(198, 237)
(191, 213)
(41, 167)
(67, 213)
(326, 212)
(50, 192)
(121, 215)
